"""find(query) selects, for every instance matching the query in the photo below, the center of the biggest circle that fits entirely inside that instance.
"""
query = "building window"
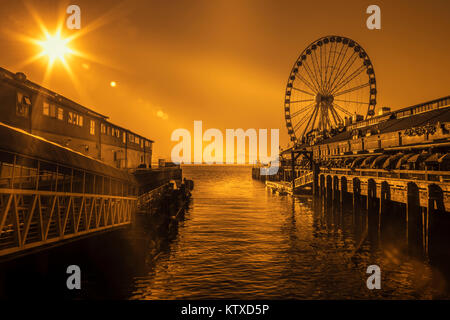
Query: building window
(92, 127)
(74, 118)
(60, 113)
(52, 111)
(46, 109)
(124, 138)
(23, 105)
(117, 133)
(108, 130)
(103, 128)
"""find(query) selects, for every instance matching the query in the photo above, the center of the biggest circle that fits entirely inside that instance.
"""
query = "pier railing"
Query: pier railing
(436, 176)
(303, 180)
(43, 202)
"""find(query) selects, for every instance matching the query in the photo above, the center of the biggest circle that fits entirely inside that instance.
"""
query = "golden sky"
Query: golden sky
(223, 62)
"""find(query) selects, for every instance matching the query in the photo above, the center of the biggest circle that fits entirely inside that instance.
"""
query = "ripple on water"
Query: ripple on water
(239, 241)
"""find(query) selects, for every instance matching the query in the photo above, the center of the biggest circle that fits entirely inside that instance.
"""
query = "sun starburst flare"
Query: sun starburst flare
(55, 47)
(61, 48)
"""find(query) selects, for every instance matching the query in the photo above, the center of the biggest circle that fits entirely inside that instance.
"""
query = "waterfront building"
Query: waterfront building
(42, 112)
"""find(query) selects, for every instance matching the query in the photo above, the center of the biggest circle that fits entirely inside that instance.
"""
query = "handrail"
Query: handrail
(303, 179)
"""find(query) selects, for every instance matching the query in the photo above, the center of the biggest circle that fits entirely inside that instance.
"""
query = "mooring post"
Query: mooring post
(336, 191)
(322, 185)
(385, 206)
(371, 196)
(344, 193)
(372, 210)
(414, 217)
(356, 194)
(315, 169)
(438, 222)
(329, 190)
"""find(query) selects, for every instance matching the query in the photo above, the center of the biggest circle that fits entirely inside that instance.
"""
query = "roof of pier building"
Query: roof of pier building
(20, 80)
(392, 125)
(430, 112)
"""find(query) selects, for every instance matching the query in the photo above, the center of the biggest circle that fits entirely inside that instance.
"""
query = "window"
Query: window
(108, 131)
(113, 130)
(75, 119)
(52, 111)
(124, 138)
(60, 113)
(46, 109)
(92, 127)
(117, 133)
(23, 105)
(103, 128)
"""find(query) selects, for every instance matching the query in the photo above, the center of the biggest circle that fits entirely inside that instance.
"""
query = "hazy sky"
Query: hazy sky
(223, 62)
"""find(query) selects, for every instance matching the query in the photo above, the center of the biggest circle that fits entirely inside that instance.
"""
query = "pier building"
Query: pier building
(42, 112)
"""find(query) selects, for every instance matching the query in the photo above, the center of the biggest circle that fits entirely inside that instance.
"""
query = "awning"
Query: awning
(367, 161)
(403, 159)
(417, 157)
(376, 163)
(348, 161)
(445, 157)
(357, 161)
(434, 158)
(392, 160)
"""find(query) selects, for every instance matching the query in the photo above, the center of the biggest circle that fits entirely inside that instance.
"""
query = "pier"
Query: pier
(51, 195)
(68, 173)
(396, 163)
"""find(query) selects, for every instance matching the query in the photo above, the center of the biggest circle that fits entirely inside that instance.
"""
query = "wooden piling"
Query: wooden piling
(438, 222)
(372, 211)
(414, 217)
(344, 192)
(356, 194)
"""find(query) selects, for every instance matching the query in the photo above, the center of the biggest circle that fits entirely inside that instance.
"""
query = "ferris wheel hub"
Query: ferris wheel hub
(324, 98)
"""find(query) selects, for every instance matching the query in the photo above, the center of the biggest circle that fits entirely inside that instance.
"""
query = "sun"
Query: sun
(55, 47)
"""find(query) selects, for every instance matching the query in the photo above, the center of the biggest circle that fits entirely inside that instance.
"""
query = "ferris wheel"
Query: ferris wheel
(332, 79)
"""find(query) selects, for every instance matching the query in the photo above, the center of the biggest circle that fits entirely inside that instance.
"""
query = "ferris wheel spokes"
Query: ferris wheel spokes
(329, 70)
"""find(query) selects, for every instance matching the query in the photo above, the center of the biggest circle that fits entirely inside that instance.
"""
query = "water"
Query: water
(240, 241)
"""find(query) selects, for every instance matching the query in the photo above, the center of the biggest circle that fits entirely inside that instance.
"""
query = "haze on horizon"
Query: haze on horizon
(223, 62)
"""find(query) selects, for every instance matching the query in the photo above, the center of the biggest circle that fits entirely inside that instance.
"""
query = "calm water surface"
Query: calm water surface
(240, 241)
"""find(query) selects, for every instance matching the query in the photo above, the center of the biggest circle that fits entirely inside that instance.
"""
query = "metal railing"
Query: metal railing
(42, 203)
(304, 180)
(422, 175)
